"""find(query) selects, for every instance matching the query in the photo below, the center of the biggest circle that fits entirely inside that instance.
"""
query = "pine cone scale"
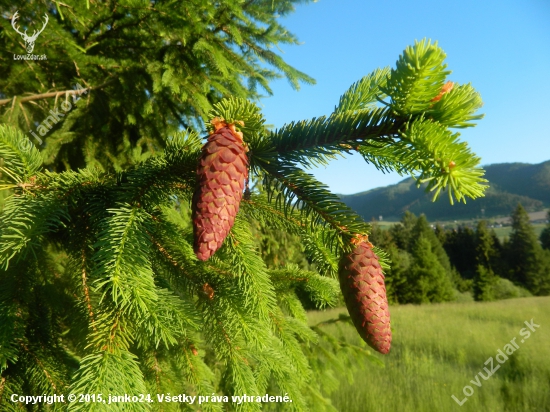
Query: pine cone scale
(228, 156)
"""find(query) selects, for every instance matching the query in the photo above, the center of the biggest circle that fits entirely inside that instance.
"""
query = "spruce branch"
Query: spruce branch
(194, 371)
(456, 108)
(252, 277)
(26, 220)
(321, 249)
(260, 209)
(363, 94)
(21, 159)
(319, 139)
(38, 367)
(12, 323)
(102, 371)
(122, 271)
(417, 78)
(442, 160)
(86, 289)
(322, 290)
(296, 189)
(70, 92)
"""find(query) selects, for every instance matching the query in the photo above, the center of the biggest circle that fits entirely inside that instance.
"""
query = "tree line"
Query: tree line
(436, 265)
(428, 264)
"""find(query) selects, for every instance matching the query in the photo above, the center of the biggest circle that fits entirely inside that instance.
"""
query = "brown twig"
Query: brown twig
(40, 364)
(54, 94)
(86, 292)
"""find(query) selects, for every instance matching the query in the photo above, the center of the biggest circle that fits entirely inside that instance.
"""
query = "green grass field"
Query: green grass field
(504, 232)
(438, 349)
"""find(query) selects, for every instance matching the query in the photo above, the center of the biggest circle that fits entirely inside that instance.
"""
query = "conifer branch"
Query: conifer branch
(329, 133)
(86, 291)
(171, 259)
(42, 96)
(257, 207)
(2, 386)
(41, 365)
(312, 196)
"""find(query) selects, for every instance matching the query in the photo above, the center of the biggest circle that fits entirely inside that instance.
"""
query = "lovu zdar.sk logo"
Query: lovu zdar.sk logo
(29, 40)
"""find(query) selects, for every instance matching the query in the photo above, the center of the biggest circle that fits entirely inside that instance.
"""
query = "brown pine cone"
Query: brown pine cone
(362, 284)
(222, 171)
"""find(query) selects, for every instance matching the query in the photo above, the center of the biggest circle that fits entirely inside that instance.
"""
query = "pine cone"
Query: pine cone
(362, 284)
(222, 170)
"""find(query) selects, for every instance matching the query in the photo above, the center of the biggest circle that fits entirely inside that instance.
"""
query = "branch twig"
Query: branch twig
(54, 94)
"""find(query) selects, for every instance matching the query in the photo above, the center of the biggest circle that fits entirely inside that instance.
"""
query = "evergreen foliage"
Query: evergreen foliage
(460, 245)
(480, 265)
(481, 258)
(528, 262)
(402, 233)
(420, 272)
(101, 291)
(545, 235)
(504, 289)
(423, 228)
(398, 285)
(468, 250)
(484, 284)
(485, 245)
(430, 281)
(148, 69)
(486, 256)
(414, 277)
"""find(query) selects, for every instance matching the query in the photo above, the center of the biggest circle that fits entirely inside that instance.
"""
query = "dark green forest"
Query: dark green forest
(471, 261)
(433, 264)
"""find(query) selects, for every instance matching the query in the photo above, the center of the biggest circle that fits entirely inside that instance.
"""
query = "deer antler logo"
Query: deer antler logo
(29, 40)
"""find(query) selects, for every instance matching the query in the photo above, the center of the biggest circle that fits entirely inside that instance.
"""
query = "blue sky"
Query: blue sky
(502, 47)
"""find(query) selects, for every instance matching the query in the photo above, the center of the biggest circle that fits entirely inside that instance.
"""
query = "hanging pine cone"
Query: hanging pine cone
(362, 284)
(222, 170)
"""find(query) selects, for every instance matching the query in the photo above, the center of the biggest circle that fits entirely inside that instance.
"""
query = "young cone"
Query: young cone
(222, 170)
(362, 284)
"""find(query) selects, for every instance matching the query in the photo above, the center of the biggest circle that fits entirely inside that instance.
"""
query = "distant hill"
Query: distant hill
(510, 184)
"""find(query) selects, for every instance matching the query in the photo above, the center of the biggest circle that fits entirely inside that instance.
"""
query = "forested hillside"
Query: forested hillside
(510, 184)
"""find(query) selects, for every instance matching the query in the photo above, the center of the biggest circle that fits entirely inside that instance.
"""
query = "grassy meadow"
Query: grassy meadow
(504, 232)
(438, 349)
